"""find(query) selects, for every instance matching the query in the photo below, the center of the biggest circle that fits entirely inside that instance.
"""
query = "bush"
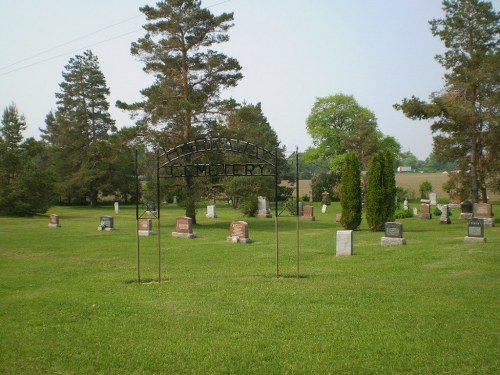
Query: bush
(249, 206)
(425, 188)
(403, 214)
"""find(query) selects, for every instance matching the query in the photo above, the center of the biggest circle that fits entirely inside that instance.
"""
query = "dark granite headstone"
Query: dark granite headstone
(394, 230)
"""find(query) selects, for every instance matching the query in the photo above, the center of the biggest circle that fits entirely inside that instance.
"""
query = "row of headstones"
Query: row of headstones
(238, 230)
(394, 236)
(305, 211)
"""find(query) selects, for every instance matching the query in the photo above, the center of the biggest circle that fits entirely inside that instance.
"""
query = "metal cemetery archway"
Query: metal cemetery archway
(176, 163)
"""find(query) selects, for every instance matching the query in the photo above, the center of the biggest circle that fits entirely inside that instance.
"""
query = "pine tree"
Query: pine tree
(465, 112)
(80, 129)
(350, 193)
(189, 75)
(26, 184)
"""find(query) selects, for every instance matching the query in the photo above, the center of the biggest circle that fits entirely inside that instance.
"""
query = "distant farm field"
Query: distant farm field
(412, 181)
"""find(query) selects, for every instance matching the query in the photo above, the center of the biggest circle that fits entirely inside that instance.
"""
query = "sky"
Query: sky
(291, 52)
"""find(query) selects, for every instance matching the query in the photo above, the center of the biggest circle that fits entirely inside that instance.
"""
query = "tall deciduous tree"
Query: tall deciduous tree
(79, 130)
(350, 193)
(465, 112)
(189, 75)
(338, 125)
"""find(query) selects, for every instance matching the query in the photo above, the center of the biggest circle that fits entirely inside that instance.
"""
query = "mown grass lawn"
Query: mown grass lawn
(70, 303)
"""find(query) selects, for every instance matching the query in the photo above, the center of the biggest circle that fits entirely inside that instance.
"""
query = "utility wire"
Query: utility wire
(67, 53)
(79, 49)
(69, 42)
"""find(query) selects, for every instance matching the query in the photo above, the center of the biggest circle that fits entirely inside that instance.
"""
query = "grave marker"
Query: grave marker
(263, 207)
(345, 243)
(466, 208)
(425, 210)
(433, 199)
(117, 207)
(54, 221)
(309, 213)
(211, 213)
(184, 228)
(475, 231)
(393, 234)
(484, 211)
(238, 232)
(445, 215)
(145, 227)
(106, 223)
(323, 209)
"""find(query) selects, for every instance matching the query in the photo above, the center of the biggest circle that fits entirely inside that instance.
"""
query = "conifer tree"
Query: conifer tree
(189, 75)
(350, 193)
(375, 195)
(25, 179)
(80, 128)
(465, 112)
(389, 186)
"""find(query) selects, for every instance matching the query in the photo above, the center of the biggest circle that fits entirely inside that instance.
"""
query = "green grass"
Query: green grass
(70, 303)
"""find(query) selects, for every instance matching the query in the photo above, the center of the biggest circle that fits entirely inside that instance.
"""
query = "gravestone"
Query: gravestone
(345, 243)
(433, 199)
(393, 234)
(475, 231)
(323, 209)
(308, 213)
(145, 227)
(415, 211)
(324, 197)
(484, 211)
(54, 221)
(405, 205)
(445, 215)
(263, 207)
(211, 213)
(425, 209)
(184, 228)
(238, 232)
(117, 207)
(174, 199)
(106, 223)
(301, 208)
(466, 208)
(338, 218)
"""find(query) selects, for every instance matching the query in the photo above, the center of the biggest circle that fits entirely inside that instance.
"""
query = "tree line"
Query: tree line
(82, 156)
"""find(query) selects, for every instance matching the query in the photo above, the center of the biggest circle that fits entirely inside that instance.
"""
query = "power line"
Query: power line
(69, 42)
(81, 48)
(67, 53)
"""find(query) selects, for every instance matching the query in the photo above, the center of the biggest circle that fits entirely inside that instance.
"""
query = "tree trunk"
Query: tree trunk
(93, 198)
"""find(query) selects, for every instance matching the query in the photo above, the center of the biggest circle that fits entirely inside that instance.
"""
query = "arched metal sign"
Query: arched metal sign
(178, 163)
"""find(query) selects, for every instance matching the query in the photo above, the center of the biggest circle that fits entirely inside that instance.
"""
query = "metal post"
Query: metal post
(158, 211)
(297, 203)
(276, 212)
(137, 218)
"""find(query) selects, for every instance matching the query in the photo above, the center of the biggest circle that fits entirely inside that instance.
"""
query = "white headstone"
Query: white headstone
(433, 199)
(263, 207)
(323, 209)
(117, 208)
(344, 243)
(211, 214)
(405, 205)
(415, 211)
